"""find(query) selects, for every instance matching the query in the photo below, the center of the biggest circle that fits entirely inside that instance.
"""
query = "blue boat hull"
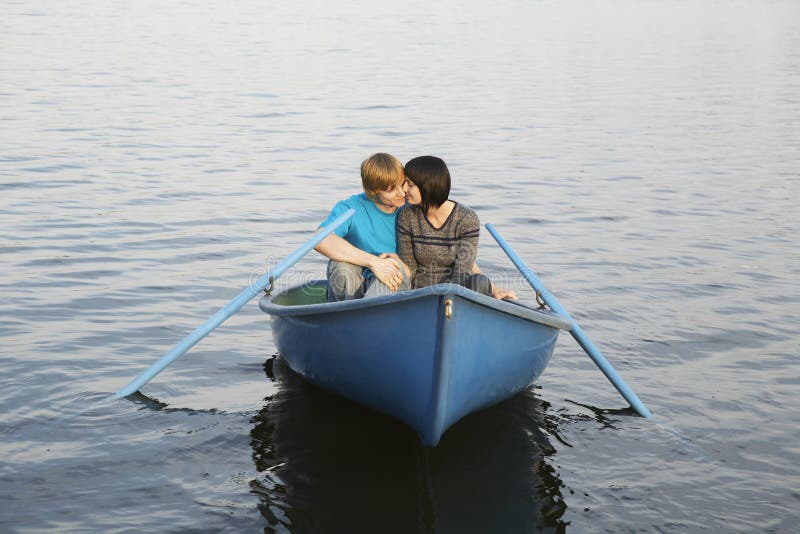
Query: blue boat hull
(427, 357)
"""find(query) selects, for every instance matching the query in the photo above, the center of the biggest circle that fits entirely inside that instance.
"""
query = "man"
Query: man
(362, 252)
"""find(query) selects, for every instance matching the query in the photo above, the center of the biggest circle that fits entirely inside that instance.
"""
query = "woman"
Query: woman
(437, 238)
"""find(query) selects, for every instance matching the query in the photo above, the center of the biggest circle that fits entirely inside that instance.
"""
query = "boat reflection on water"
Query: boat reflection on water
(326, 464)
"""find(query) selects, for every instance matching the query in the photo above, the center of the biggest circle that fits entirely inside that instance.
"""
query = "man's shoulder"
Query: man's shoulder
(355, 201)
(359, 202)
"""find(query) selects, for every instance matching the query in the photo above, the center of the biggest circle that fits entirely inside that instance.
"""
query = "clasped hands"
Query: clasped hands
(388, 268)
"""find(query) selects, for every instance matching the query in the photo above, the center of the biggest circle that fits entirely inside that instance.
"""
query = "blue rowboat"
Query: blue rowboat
(426, 357)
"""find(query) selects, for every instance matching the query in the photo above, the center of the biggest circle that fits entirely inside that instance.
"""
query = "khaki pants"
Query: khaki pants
(346, 282)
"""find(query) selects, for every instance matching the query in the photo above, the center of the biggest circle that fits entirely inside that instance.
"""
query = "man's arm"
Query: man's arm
(339, 249)
(385, 269)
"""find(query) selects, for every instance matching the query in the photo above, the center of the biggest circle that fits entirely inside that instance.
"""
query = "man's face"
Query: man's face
(394, 197)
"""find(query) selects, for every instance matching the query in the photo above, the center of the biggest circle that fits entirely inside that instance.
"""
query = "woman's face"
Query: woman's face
(413, 195)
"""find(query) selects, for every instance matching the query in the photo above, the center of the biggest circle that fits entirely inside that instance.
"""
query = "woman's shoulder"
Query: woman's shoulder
(464, 212)
(409, 211)
(465, 221)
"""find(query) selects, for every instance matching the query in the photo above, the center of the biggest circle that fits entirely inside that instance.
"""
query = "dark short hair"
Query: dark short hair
(431, 176)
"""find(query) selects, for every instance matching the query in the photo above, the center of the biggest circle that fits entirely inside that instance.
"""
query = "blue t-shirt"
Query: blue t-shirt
(370, 229)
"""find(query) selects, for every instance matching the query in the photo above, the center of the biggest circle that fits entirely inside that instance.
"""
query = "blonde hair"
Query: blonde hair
(381, 172)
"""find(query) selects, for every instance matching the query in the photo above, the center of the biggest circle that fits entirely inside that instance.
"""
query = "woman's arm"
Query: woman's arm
(466, 247)
(405, 249)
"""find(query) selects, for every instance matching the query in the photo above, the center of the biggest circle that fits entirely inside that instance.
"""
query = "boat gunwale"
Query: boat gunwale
(546, 318)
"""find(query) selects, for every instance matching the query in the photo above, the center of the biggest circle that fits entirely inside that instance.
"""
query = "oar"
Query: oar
(593, 352)
(232, 307)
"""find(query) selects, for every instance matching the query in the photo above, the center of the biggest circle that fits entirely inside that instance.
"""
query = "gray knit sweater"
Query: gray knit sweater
(438, 255)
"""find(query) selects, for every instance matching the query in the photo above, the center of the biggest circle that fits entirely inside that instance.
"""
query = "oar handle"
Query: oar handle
(576, 331)
(232, 307)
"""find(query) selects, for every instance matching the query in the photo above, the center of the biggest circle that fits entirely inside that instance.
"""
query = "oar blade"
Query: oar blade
(577, 333)
(232, 307)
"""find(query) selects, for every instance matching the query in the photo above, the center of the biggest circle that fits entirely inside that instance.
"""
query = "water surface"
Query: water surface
(641, 156)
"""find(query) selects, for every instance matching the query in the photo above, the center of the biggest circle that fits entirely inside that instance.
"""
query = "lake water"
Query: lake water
(642, 157)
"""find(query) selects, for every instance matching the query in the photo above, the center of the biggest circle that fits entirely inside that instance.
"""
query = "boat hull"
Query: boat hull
(426, 357)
